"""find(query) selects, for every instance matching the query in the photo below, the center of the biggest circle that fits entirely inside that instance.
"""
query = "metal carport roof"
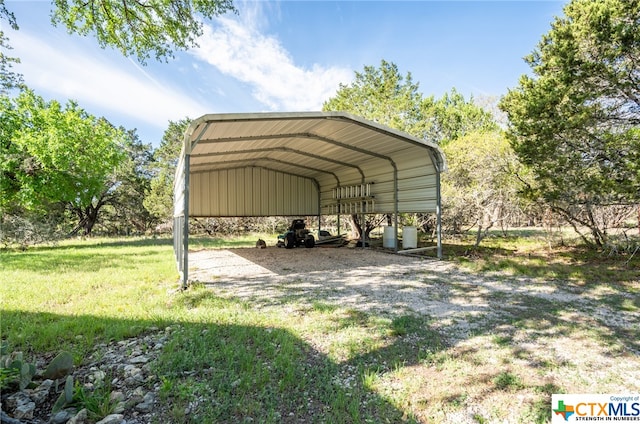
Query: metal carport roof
(304, 163)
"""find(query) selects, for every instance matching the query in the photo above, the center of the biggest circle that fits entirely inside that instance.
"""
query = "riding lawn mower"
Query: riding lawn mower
(296, 235)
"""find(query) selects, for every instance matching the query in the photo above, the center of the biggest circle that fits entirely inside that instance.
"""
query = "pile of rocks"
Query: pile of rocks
(124, 367)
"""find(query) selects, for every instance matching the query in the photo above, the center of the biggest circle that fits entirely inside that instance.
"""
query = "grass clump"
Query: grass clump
(98, 401)
(507, 381)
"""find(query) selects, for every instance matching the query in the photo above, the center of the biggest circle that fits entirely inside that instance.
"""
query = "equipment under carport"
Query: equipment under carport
(296, 235)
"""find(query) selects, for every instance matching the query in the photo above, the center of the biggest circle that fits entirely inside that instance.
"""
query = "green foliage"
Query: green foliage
(405, 324)
(69, 153)
(56, 156)
(576, 121)
(455, 117)
(14, 370)
(66, 396)
(384, 96)
(507, 381)
(16, 374)
(140, 29)
(8, 78)
(481, 186)
(159, 199)
(98, 401)
(5, 14)
(124, 212)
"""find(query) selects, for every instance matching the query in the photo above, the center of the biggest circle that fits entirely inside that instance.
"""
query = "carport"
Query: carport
(301, 164)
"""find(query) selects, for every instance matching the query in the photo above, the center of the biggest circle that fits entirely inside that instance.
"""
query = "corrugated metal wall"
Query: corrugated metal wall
(251, 191)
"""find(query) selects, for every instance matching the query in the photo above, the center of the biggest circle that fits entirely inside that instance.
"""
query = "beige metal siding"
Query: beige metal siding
(251, 192)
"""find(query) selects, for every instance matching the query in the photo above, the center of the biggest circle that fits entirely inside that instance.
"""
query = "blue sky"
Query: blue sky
(283, 56)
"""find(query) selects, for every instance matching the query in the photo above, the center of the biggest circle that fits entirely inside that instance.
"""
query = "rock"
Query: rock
(119, 408)
(63, 416)
(12, 401)
(146, 404)
(116, 396)
(7, 419)
(133, 375)
(139, 360)
(127, 365)
(60, 366)
(143, 407)
(24, 411)
(98, 377)
(20, 406)
(112, 419)
(79, 418)
(41, 392)
(149, 397)
(136, 397)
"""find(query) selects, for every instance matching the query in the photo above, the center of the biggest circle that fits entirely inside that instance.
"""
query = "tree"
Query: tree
(455, 117)
(8, 78)
(124, 210)
(576, 122)
(481, 187)
(384, 96)
(57, 156)
(159, 198)
(140, 28)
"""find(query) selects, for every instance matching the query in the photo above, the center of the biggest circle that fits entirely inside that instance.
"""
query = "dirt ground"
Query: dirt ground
(376, 280)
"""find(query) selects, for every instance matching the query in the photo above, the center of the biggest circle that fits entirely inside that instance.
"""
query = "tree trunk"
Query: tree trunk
(599, 237)
(91, 214)
(482, 232)
(87, 216)
(574, 222)
(356, 227)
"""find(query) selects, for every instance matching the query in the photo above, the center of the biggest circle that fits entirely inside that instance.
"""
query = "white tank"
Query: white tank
(409, 238)
(389, 238)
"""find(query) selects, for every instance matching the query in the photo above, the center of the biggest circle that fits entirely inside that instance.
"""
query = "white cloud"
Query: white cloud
(239, 50)
(92, 78)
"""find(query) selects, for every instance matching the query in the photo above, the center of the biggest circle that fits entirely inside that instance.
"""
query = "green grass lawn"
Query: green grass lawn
(534, 253)
(78, 293)
(318, 363)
